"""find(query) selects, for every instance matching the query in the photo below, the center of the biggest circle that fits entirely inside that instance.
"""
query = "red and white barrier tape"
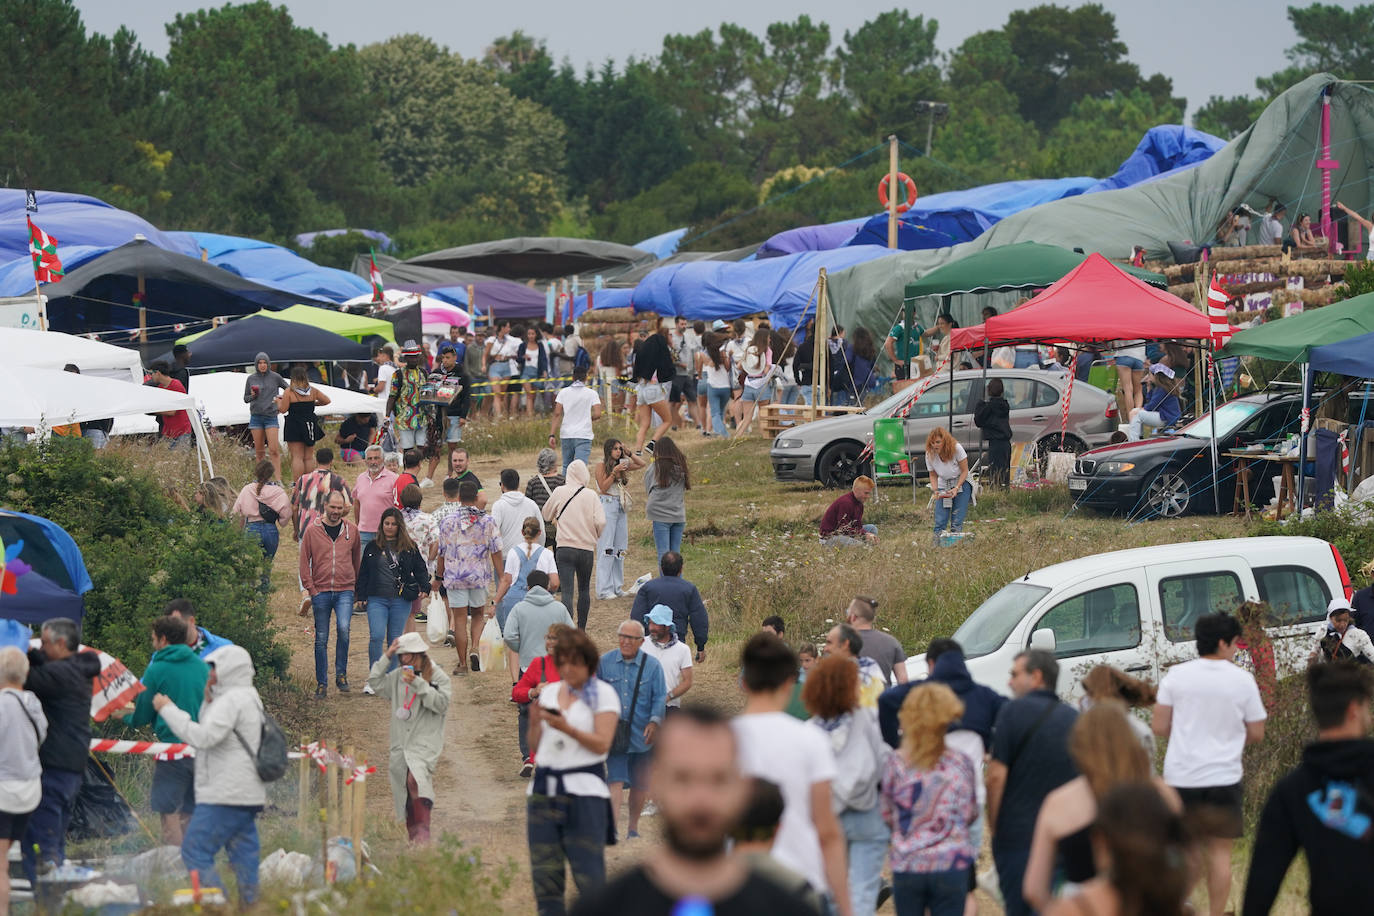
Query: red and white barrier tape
(167, 751)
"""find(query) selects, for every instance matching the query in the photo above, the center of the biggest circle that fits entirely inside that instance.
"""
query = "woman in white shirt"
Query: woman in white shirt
(520, 561)
(948, 465)
(717, 378)
(758, 378)
(568, 805)
(21, 716)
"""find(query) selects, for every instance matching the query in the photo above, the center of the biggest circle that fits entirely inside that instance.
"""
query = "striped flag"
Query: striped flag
(1345, 453)
(47, 267)
(375, 276)
(1216, 312)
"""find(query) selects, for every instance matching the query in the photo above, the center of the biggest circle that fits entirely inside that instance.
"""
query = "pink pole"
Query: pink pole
(1327, 165)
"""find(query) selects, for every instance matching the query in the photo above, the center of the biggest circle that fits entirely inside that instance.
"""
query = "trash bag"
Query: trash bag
(99, 811)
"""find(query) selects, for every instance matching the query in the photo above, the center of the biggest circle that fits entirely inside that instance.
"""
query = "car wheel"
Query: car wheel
(1169, 494)
(840, 464)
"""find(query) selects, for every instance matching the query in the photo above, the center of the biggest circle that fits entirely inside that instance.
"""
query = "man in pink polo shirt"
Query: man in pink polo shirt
(372, 494)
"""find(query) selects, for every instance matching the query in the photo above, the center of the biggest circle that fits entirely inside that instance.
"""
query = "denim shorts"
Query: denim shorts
(761, 393)
(498, 369)
(258, 421)
(410, 438)
(529, 373)
(652, 392)
(632, 769)
(1130, 362)
(453, 429)
(468, 598)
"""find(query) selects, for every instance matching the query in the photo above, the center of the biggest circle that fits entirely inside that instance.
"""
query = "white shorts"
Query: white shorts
(652, 392)
(410, 438)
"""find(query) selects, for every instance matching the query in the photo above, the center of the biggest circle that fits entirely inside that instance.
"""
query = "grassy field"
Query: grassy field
(751, 546)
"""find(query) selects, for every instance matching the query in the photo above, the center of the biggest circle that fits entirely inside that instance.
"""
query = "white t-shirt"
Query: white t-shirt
(673, 659)
(946, 472)
(796, 756)
(1211, 700)
(718, 378)
(577, 400)
(510, 513)
(557, 751)
(384, 374)
(517, 554)
(969, 743)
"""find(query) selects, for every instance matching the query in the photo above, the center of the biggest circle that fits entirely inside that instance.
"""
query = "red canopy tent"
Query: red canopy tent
(1093, 303)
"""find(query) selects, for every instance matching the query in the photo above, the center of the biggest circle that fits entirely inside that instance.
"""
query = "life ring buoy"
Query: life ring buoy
(905, 179)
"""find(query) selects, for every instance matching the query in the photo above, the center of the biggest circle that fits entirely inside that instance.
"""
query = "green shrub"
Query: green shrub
(142, 549)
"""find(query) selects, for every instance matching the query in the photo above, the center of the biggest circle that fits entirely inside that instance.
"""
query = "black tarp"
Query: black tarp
(99, 295)
(237, 343)
(533, 258)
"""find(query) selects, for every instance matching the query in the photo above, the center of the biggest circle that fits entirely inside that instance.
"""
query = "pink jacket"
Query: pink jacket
(328, 564)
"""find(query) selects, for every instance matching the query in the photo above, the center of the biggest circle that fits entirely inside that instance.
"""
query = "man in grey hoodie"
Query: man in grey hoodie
(260, 391)
(229, 794)
(524, 634)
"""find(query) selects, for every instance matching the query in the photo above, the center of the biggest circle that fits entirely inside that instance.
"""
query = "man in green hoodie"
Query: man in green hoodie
(174, 670)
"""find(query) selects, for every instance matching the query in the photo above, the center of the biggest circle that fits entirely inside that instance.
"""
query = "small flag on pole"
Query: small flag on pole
(1345, 454)
(47, 267)
(31, 201)
(1216, 312)
(375, 276)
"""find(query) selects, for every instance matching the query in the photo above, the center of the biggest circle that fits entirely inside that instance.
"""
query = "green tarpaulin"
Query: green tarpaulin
(1026, 265)
(354, 327)
(1275, 158)
(1291, 339)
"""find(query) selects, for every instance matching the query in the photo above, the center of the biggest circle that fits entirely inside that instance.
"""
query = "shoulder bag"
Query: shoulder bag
(620, 744)
(553, 535)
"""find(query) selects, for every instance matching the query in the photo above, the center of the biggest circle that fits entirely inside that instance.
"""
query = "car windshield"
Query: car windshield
(890, 403)
(987, 628)
(1229, 418)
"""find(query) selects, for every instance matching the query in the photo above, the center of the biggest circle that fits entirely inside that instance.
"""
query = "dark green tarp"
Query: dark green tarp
(1291, 339)
(1026, 265)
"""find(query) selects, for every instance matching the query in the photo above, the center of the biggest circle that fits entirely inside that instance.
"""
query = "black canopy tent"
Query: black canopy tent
(237, 343)
(533, 258)
(101, 295)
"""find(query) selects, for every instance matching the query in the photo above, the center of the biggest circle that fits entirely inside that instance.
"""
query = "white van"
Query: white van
(1135, 609)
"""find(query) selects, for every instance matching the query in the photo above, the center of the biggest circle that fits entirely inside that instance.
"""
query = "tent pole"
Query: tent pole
(951, 390)
(892, 191)
(1304, 423)
(982, 436)
(1212, 392)
(1357, 445)
(821, 334)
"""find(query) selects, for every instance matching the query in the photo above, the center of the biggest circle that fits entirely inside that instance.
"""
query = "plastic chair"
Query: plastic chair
(890, 459)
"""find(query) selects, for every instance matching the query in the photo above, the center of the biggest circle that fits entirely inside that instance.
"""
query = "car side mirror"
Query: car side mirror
(1043, 639)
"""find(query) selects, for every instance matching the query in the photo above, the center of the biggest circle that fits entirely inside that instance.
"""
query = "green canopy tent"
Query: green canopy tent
(1025, 265)
(1292, 339)
(354, 327)
(1277, 157)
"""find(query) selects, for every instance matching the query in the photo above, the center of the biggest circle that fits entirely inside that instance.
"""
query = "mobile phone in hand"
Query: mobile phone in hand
(552, 711)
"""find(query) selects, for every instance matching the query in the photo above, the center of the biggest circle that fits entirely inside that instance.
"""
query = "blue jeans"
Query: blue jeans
(565, 828)
(718, 399)
(575, 450)
(668, 536)
(386, 618)
(97, 437)
(953, 517)
(867, 838)
(47, 827)
(268, 536)
(341, 603)
(610, 549)
(233, 828)
(844, 540)
(941, 892)
(365, 538)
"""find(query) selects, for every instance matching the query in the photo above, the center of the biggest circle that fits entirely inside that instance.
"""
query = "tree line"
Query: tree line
(255, 126)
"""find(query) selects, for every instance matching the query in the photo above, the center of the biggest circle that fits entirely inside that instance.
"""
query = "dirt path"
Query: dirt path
(480, 792)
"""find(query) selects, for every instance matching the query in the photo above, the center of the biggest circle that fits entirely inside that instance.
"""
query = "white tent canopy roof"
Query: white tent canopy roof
(50, 397)
(53, 350)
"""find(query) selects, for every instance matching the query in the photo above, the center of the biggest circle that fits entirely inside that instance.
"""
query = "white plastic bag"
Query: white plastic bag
(436, 628)
(490, 647)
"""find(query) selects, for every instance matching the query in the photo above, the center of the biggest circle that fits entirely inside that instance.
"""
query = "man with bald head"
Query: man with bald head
(638, 680)
(701, 792)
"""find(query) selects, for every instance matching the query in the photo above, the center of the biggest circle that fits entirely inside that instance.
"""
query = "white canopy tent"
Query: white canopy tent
(43, 398)
(53, 350)
(220, 398)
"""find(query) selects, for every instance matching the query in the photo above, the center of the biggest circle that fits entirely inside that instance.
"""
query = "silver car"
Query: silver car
(828, 450)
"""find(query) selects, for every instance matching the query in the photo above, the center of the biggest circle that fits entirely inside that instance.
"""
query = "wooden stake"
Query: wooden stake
(892, 191)
(303, 797)
(818, 346)
(359, 812)
(346, 812)
(333, 798)
(142, 310)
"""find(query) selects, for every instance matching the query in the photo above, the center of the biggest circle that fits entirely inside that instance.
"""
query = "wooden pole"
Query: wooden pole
(359, 809)
(1204, 282)
(892, 191)
(303, 797)
(333, 798)
(142, 310)
(42, 309)
(346, 812)
(472, 305)
(818, 346)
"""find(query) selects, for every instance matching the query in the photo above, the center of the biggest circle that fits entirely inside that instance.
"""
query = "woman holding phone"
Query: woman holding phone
(612, 479)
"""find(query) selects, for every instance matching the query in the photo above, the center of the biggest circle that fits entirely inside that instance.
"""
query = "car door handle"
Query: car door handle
(1039, 418)
(1135, 668)
(959, 424)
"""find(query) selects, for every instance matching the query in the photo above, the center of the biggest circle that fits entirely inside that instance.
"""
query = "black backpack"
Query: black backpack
(582, 359)
(270, 760)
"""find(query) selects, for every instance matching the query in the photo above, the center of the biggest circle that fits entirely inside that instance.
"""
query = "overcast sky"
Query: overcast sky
(1211, 47)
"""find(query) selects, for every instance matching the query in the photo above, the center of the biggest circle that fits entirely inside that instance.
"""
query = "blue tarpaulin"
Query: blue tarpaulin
(384, 243)
(16, 277)
(780, 286)
(812, 238)
(75, 219)
(272, 265)
(1353, 357)
(604, 299)
(1163, 149)
(663, 245)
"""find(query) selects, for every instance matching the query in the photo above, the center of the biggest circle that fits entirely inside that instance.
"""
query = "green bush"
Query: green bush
(142, 549)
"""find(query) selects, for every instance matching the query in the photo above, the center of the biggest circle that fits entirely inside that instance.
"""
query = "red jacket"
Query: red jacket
(328, 564)
(540, 670)
(845, 516)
